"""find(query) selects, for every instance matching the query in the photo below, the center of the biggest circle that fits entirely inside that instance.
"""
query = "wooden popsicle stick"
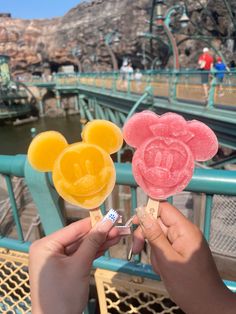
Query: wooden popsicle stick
(152, 207)
(95, 215)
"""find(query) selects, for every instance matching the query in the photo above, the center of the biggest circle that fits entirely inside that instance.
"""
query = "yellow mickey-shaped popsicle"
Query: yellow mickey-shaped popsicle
(44, 150)
(83, 173)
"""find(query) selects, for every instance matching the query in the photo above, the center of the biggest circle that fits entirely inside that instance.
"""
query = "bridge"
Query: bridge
(211, 192)
(214, 189)
(107, 96)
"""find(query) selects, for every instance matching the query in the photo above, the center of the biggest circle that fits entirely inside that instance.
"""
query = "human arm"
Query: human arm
(180, 254)
(201, 62)
(60, 264)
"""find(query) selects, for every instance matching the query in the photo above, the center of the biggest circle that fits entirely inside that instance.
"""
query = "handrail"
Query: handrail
(113, 74)
(144, 72)
(12, 165)
(180, 91)
(208, 181)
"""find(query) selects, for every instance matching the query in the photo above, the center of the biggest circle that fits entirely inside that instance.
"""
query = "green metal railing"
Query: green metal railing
(173, 80)
(208, 181)
(109, 95)
(184, 85)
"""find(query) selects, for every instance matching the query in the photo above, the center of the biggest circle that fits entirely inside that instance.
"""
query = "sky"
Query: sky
(36, 9)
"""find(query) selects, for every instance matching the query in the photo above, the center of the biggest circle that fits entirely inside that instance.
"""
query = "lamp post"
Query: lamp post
(109, 39)
(177, 8)
(163, 20)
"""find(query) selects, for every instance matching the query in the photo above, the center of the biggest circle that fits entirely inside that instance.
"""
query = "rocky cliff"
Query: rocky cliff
(99, 34)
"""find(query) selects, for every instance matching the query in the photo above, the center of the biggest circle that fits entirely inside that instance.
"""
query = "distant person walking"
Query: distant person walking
(127, 72)
(123, 70)
(220, 68)
(205, 63)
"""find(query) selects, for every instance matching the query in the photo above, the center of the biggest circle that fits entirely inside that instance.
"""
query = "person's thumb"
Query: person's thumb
(152, 231)
(96, 238)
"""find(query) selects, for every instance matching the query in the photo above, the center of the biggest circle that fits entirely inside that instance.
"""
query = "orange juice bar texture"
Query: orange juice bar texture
(83, 173)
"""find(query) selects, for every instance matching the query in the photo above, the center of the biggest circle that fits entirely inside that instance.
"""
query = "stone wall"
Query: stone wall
(85, 37)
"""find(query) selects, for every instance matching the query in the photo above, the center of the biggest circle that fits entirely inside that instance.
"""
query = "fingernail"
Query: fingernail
(130, 254)
(146, 220)
(108, 221)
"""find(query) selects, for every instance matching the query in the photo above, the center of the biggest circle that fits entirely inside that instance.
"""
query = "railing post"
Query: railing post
(113, 86)
(129, 83)
(45, 198)
(94, 79)
(207, 220)
(149, 80)
(58, 99)
(103, 83)
(173, 85)
(14, 208)
(211, 96)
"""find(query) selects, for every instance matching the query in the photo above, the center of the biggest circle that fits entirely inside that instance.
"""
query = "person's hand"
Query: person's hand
(180, 254)
(60, 264)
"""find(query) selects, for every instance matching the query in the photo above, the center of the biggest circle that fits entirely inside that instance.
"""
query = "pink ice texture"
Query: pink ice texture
(166, 147)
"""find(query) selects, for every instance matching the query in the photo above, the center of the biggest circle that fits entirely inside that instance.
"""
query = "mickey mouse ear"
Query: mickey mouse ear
(44, 150)
(204, 143)
(138, 128)
(103, 133)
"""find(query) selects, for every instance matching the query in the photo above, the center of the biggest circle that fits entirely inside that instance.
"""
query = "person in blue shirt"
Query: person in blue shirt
(221, 68)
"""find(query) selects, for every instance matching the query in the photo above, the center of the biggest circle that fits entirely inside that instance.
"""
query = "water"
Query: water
(16, 139)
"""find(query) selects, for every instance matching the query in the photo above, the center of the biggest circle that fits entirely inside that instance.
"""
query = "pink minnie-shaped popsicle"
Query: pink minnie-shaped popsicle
(166, 148)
